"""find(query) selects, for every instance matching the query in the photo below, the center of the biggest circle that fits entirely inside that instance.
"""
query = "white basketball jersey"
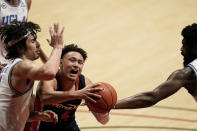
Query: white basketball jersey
(193, 66)
(14, 106)
(10, 12)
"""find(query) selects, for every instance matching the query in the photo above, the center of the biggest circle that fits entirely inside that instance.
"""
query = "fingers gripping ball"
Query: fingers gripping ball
(108, 100)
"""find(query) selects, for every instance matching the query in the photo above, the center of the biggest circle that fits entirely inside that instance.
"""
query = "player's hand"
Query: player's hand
(89, 93)
(56, 36)
(48, 116)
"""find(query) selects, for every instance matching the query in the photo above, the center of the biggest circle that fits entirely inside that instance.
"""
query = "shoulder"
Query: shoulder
(47, 85)
(182, 75)
(23, 67)
(25, 64)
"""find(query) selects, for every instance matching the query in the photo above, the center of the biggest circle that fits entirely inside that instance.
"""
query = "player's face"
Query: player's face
(72, 65)
(184, 48)
(33, 48)
(187, 53)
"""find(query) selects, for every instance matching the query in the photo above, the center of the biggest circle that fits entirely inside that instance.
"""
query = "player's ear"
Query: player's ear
(194, 49)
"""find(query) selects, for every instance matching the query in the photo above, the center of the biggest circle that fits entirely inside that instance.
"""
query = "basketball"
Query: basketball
(107, 101)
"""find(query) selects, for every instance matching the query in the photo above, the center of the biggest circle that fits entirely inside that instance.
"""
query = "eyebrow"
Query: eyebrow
(72, 57)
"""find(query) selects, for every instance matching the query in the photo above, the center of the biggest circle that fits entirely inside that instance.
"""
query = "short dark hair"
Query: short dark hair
(190, 34)
(15, 35)
(75, 48)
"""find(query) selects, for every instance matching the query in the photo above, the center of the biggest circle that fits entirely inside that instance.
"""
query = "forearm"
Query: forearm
(139, 101)
(132, 104)
(43, 56)
(58, 97)
(47, 71)
(34, 116)
(52, 65)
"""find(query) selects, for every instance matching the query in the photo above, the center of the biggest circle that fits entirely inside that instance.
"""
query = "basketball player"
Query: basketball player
(11, 10)
(185, 77)
(17, 78)
(64, 94)
(14, 10)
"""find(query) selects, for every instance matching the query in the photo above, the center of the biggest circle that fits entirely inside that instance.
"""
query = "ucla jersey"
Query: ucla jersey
(193, 66)
(10, 12)
(14, 105)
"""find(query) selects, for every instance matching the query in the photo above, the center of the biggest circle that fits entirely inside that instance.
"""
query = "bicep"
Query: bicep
(29, 70)
(47, 87)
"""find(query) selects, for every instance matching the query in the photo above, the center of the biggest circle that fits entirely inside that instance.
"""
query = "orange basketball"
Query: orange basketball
(108, 100)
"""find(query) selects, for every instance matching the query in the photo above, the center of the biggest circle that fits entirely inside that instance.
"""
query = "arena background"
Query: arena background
(132, 44)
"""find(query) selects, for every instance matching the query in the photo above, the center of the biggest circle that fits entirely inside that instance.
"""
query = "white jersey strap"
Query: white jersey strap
(193, 66)
(17, 93)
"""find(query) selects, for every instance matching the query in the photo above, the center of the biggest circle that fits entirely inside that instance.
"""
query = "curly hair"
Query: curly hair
(73, 47)
(190, 34)
(15, 35)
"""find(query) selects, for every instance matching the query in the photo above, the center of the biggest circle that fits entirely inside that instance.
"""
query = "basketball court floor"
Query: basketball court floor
(132, 44)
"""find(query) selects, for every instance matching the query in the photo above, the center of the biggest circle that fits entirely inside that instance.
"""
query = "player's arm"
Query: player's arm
(27, 70)
(89, 92)
(47, 116)
(48, 94)
(93, 96)
(28, 4)
(147, 99)
(43, 56)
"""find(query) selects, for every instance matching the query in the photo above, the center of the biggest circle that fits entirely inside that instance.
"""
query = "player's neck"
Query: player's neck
(13, 2)
(66, 83)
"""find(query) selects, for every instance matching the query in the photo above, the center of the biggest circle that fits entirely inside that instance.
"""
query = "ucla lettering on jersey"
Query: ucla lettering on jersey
(9, 12)
(8, 19)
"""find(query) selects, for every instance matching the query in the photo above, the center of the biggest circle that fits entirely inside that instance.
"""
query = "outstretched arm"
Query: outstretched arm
(147, 99)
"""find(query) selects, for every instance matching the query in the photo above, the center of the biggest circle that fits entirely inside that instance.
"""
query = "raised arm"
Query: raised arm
(27, 70)
(147, 99)
(43, 56)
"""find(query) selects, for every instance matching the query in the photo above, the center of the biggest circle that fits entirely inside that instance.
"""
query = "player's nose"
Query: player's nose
(37, 44)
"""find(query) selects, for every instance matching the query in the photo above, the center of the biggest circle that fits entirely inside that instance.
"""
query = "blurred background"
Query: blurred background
(132, 44)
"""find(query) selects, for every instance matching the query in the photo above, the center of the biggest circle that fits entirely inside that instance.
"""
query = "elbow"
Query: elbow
(49, 75)
(151, 102)
(49, 72)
